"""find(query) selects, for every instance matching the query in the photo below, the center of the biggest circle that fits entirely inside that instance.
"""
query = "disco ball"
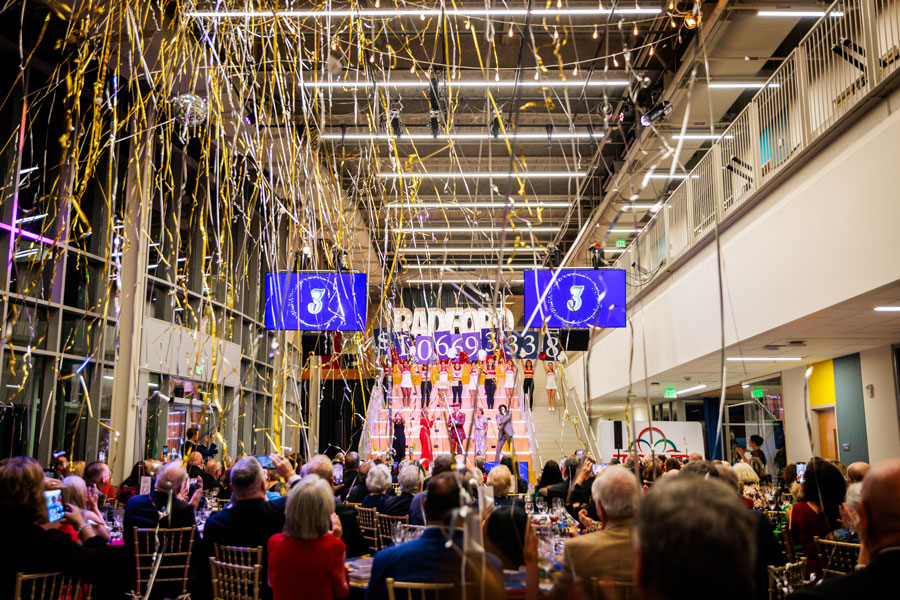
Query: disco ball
(190, 109)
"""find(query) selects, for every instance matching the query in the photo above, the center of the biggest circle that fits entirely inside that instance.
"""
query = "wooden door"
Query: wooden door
(828, 433)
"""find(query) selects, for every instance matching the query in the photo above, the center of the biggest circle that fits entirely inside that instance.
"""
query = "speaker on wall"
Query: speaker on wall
(574, 340)
(617, 434)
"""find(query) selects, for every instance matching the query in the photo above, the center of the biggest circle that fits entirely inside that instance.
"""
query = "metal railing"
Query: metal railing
(575, 405)
(853, 48)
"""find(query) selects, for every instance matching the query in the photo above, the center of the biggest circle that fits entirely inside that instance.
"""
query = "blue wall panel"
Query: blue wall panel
(853, 445)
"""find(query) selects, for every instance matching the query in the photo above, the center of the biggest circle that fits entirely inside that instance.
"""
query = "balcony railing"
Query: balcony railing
(852, 49)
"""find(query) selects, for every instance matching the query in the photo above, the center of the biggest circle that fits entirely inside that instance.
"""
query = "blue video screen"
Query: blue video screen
(316, 301)
(577, 298)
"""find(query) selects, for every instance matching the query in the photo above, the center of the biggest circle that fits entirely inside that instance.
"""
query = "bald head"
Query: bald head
(879, 511)
(196, 458)
(857, 471)
(616, 492)
(320, 465)
(172, 477)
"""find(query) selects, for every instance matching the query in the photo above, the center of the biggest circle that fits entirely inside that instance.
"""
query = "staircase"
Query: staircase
(554, 435)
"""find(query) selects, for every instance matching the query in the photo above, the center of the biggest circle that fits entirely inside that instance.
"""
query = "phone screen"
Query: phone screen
(596, 469)
(264, 461)
(579, 452)
(338, 474)
(55, 508)
(801, 472)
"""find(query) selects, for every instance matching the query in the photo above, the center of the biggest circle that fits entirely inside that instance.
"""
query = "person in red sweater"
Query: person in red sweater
(309, 550)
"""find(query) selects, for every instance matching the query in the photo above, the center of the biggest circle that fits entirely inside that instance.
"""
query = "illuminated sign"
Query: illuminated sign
(578, 298)
(316, 301)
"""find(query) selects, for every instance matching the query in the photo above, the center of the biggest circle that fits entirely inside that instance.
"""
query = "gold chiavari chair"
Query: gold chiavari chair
(235, 555)
(176, 546)
(783, 581)
(613, 590)
(50, 586)
(353, 504)
(405, 590)
(789, 554)
(368, 523)
(777, 518)
(837, 558)
(386, 525)
(234, 582)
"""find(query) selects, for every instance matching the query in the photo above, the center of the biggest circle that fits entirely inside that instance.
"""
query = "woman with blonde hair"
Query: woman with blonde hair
(749, 483)
(306, 560)
(500, 479)
(78, 495)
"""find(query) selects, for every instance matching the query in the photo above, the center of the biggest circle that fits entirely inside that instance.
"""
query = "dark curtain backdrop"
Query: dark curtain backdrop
(339, 426)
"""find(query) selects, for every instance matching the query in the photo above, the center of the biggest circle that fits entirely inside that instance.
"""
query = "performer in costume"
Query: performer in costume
(416, 377)
(474, 375)
(425, 425)
(456, 377)
(504, 429)
(456, 429)
(528, 383)
(551, 386)
(399, 445)
(443, 381)
(395, 381)
(426, 386)
(480, 435)
(509, 380)
(490, 385)
(406, 385)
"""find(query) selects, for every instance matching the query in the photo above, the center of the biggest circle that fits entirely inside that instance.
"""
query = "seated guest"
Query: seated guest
(857, 471)
(521, 484)
(817, 515)
(351, 533)
(443, 463)
(249, 520)
(849, 516)
(351, 473)
(306, 560)
(749, 486)
(500, 479)
(33, 545)
(143, 511)
(428, 558)
(760, 469)
(131, 485)
(410, 485)
(694, 537)
(788, 477)
(211, 475)
(97, 474)
(550, 475)
(879, 533)
(59, 466)
(561, 489)
(672, 464)
(504, 535)
(76, 494)
(359, 490)
(195, 465)
(276, 488)
(378, 481)
(609, 550)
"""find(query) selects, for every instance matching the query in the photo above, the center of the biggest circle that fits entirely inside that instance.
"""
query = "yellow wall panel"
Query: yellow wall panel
(821, 384)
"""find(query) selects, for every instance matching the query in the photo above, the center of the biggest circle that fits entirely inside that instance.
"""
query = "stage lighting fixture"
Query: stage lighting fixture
(395, 122)
(657, 113)
(433, 121)
(495, 127)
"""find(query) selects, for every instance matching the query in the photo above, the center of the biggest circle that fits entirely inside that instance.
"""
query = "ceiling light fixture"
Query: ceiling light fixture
(797, 13)
(458, 137)
(523, 175)
(470, 229)
(467, 250)
(702, 136)
(690, 389)
(470, 83)
(675, 176)
(494, 13)
(729, 85)
(887, 308)
(466, 205)
(474, 282)
(763, 359)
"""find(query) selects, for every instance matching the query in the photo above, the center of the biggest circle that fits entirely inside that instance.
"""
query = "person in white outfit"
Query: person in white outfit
(406, 385)
(509, 381)
(551, 385)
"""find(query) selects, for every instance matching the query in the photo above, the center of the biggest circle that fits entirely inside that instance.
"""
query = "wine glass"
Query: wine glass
(557, 505)
(397, 534)
(529, 505)
(541, 505)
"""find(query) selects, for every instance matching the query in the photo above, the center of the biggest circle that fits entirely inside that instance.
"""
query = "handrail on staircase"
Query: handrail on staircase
(575, 407)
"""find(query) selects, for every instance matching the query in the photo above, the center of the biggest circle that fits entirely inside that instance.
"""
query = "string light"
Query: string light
(377, 3)
(555, 34)
(615, 62)
(596, 35)
(558, 3)
(635, 30)
(412, 69)
(575, 70)
(497, 75)
(422, 17)
(651, 50)
(510, 32)
(467, 24)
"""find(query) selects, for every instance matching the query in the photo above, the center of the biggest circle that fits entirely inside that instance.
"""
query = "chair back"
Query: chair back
(837, 558)
(386, 525)
(613, 590)
(783, 581)
(235, 555)
(777, 518)
(407, 590)
(175, 546)
(50, 586)
(234, 582)
(789, 554)
(353, 504)
(368, 524)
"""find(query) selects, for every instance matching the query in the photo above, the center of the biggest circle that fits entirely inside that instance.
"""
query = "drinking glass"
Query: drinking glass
(529, 505)
(397, 534)
(541, 505)
(118, 516)
(557, 505)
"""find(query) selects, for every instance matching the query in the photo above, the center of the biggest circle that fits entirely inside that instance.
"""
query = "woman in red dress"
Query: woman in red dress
(425, 425)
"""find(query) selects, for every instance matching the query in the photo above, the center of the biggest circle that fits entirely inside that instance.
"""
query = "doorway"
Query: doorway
(828, 433)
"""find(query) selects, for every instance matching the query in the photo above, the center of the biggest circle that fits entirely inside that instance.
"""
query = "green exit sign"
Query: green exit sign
(199, 370)
(671, 393)
(758, 394)
(620, 243)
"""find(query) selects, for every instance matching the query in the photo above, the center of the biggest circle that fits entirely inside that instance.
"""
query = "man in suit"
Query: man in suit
(442, 464)
(210, 476)
(359, 490)
(504, 430)
(879, 534)
(428, 558)
(410, 484)
(248, 521)
(609, 551)
(351, 474)
(352, 535)
(195, 465)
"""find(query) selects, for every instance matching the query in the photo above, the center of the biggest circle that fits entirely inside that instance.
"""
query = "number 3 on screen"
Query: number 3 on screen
(315, 307)
(575, 303)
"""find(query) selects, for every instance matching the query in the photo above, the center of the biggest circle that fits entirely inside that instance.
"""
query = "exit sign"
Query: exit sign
(199, 370)
(758, 393)
(671, 393)
(620, 243)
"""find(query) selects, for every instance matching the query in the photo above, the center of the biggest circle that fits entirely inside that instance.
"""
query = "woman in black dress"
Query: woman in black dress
(399, 445)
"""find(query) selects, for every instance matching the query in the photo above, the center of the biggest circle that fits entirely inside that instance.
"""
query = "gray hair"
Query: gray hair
(319, 465)
(378, 479)
(410, 480)
(852, 497)
(172, 477)
(618, 491)
(245, 476)
(212, 465)
(745, 473)
(75, 491)
(309, 508)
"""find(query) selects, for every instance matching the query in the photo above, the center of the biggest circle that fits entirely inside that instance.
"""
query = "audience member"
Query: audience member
(131, 485)
(849, 516)
(77, 494)
(608, 551)
(749, 486)
(195, 465)
(500, 479)
(306, 560)
(211, 475)
(879, 532)
(695, 541)
(817, 515)
(410, 480)
(33, 545)
(521, 484)
(504, 534)
(249, 519)
(788, 477)
(857, 471)
(561, 489)
(143, 511)
(550, 476)
(97, 474)
(351, 473)
(430, 558)
(359, 491)
(442, 463)
(59, 466)
(672, 464)
(378, 480)
(351, 533)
